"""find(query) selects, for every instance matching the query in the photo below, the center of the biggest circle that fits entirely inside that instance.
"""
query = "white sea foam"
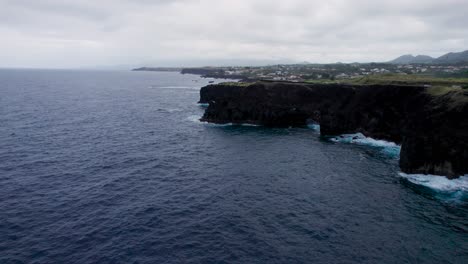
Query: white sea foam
(170, 110)
(388, 148)
(244, 124)
(439, 183)
(314, 126)
(196, 119)
(232, 124)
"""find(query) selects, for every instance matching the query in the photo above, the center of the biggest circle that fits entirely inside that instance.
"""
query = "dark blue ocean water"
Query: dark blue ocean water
(112, 167)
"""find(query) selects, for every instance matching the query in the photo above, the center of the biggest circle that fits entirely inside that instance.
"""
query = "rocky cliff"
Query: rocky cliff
(431, 125)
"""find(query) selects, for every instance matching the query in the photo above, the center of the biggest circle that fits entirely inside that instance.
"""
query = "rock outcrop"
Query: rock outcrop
(432, 128)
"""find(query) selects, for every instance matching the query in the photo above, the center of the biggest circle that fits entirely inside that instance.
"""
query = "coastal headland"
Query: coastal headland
(430, 123)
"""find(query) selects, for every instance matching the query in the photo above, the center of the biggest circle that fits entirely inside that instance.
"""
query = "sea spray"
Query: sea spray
(197, 119)
(388, 148)
(449, 189)
(314, 126)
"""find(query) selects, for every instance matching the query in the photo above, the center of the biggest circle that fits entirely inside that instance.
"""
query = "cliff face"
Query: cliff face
(432, 129)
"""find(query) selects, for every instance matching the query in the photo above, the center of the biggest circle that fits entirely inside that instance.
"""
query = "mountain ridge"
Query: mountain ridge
(449, 58)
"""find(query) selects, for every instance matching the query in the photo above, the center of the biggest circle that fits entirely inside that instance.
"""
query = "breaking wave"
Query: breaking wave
(454, 189)
(169, 110)
(196, 119)
(388, 148)
(314, 126)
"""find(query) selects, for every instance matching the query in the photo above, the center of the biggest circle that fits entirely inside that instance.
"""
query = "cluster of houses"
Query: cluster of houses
(307, 72)
(430, 68)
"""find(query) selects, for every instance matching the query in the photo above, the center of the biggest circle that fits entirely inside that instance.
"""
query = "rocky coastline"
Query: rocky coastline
(431, 124)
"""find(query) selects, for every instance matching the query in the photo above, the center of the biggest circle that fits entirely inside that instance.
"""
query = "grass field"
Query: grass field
(436, 86)
(410, 80)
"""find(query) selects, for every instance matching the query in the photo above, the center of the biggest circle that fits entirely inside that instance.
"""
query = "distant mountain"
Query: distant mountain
(449, 58)
(453, 57)
(410, 59)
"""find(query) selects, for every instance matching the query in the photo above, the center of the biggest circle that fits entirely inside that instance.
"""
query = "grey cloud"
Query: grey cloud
(66, 33)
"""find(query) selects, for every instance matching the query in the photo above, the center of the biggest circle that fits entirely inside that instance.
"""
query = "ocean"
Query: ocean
(114, 167)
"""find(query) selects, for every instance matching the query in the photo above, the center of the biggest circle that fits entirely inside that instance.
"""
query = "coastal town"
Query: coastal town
(317, 72)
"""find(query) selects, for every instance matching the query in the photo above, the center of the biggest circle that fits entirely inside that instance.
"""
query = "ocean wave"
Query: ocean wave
(455, 189)
(314, 126)
(243, 124)
(196, 119)
(387, 148)
(230, 124)
(169, 110)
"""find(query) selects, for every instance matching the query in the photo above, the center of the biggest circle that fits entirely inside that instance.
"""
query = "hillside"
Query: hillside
(410, 59)
(452, 58)
(449, 58)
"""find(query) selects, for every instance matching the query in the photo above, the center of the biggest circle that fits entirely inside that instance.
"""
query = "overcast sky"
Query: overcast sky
(88, 33)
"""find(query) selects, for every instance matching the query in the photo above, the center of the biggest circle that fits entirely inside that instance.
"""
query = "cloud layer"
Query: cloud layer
(86, 33)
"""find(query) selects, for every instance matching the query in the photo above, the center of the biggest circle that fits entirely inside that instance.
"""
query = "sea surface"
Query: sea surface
(114, 167)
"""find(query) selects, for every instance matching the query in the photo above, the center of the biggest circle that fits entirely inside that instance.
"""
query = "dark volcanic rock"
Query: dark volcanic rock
(436, 137)
(431, 129)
